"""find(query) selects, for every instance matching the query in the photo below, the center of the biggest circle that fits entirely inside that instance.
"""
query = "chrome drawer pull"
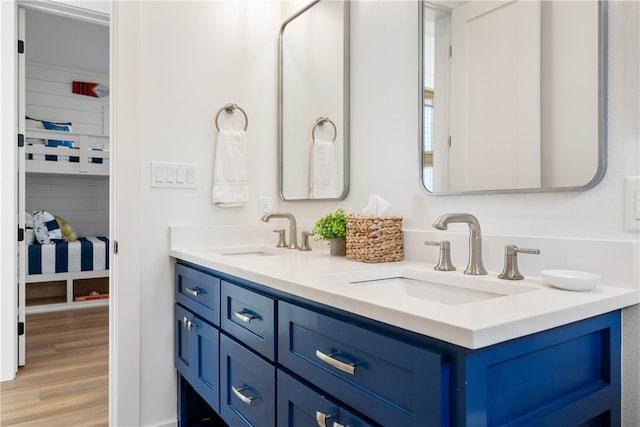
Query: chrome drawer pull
(321, 419)
(191, 325)
(193, 291)
(245, 399)
(349, 368)
(337, 424)
(185, 321)
(242, 316)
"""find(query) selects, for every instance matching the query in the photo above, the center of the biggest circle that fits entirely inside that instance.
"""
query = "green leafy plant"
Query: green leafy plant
(331, 225)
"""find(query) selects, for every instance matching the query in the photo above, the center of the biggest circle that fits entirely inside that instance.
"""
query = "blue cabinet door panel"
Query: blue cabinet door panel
(196, 354)
(182, 341)
(250, 317)
(199, 292)
(564, 376)
(248, 386)
(375, 374)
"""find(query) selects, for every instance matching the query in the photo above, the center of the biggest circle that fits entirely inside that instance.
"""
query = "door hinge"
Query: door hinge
(115, 247)
(20, 234)
(449, 141)
(20, 140)
(20, 328)
(20, 46)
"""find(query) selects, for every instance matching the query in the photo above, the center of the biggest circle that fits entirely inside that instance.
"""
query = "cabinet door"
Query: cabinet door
(248, 386)
(196, 354)
(299, 406)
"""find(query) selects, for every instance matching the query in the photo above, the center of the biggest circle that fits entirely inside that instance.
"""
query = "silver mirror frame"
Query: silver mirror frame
(602, 112)
(345, 108)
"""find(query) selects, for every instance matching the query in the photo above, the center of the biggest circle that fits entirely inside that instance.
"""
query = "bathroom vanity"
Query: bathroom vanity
(285, 338)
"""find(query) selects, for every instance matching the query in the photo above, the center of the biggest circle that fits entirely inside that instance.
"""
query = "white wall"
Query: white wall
(179, 93)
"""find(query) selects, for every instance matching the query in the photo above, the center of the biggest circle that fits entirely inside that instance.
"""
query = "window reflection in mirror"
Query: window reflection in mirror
(513, 95)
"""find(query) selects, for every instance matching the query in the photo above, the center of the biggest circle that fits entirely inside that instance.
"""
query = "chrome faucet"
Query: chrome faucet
(293, 229)
(475, 239)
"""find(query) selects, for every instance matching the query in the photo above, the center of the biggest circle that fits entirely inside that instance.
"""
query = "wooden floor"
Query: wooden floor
(65, 379)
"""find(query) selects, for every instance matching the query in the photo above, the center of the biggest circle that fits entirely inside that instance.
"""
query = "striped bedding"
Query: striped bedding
(85, 254)
(71, 159)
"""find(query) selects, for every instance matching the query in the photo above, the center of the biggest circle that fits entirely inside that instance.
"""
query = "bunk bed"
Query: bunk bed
(73, 265)
(80, 154)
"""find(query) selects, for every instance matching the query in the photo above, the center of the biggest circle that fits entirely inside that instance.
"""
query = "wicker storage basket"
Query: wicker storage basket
(374, 239)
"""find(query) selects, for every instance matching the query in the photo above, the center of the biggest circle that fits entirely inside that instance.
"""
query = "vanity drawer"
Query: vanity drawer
(247, 386)
(250, 317)
(198, 291)
(394, 383)
(300, 406)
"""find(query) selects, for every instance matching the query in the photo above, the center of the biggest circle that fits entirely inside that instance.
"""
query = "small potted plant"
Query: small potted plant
(332, 228)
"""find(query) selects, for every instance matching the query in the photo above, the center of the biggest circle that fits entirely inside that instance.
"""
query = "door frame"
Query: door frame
(124, 319)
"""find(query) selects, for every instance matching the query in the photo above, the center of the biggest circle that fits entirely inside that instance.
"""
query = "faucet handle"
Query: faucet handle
(510, 270)
(281, 241)
(305, 241)
(444, 260)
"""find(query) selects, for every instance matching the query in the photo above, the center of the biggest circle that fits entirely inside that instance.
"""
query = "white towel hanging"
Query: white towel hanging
(322, 176)
(230, 170)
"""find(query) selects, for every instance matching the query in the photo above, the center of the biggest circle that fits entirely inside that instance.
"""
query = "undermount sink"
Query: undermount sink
(440, 287)
(251, 251)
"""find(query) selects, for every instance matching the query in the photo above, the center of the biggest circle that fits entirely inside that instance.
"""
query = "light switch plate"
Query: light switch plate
(173, 175)
(632, 203)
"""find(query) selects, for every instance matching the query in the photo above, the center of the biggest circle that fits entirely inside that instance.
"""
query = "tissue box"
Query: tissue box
(374, 239)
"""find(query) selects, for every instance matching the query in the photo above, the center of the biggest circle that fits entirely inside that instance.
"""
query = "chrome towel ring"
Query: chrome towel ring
(230, 109)
(320, 121)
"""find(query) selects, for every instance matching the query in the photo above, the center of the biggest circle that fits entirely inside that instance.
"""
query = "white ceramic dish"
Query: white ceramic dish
(571, 280)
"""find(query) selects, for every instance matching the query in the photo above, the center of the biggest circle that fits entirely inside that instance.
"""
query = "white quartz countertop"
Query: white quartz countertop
(313, 275)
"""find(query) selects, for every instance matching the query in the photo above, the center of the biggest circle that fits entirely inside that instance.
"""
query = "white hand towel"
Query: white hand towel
(230, 170)
(322, 176)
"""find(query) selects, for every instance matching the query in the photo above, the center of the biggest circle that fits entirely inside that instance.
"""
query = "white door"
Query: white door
(21, 193)
(495, 95)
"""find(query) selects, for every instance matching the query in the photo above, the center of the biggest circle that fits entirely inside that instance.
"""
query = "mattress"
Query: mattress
(88, 253)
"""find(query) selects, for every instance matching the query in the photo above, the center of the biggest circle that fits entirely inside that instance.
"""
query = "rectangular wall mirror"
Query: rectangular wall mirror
(513, 95)
(313, 102)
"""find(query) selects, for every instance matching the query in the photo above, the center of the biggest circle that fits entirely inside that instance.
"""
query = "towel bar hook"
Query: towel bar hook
(230, 109)
(320, 121)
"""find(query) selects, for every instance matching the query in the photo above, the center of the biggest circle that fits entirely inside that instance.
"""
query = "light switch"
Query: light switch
(159, 173)
(632, 203)
(173, 175)
(181, 175)
(170, 174)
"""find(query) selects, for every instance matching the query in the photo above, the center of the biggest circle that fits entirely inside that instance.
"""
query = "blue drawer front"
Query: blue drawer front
(253, 379)
(389, 376)
(196, 354)
(299, 406)
(198, 291)
(250, 317)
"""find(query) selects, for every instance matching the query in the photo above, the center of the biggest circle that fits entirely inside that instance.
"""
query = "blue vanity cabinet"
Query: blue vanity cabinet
(300, 406)
(264, 358)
